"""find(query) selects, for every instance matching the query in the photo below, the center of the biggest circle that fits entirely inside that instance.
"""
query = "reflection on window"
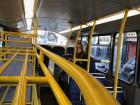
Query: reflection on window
(128, 56)
(51, 38)
(0, 43)
(1, 29)
(100, 52)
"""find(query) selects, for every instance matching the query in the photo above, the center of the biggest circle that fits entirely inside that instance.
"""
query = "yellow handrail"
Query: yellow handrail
(119, 53)
(30, 79)
(93, 92)
(76, 41)
(20, 96)
(16, 33)
(16, 41)
(5, 65)
(89, 45)
(60, 96)
(12, 49)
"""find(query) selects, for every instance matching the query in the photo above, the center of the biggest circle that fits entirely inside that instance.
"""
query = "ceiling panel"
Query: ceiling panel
(78, 11)
(132, 24)
(53, 24)
(11, 12)
(127, 3)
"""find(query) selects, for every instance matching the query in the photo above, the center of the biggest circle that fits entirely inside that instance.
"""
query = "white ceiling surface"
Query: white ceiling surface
(12, 13)
(55, 15)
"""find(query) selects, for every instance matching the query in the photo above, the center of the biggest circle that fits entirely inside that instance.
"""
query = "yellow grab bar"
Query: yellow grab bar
(20, 94)
(119, 53)
(60, 96)
(76, 42)
(5, 65)
(30, 79)
(93, 92)
(17, 34)
(89, 45)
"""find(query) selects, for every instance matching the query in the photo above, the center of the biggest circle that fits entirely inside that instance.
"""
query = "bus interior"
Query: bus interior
(69, 52)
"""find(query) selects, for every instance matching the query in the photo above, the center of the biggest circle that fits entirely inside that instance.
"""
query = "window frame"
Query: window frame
(135, 62)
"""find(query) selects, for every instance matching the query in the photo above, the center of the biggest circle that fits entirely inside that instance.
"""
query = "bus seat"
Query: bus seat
(77, 103)
(120, 94)
(47, 47)
(73, 91)
(100, 77)
(92, 67)
(121, 97)
(57, 70)
(46, 59)
(70, 50)
(59, 51)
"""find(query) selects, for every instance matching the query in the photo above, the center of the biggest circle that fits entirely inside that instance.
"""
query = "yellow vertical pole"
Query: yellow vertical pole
(34, 39)
(89, 45)
(34, 62)
(60, 96)
(34, 101)
(35, 27)
(76, 41)
(5, 38)
(119, 52)
(41, 56)
(68, 38)
(2, 37)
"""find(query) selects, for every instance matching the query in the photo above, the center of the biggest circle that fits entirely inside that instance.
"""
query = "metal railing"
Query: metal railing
(92, 91)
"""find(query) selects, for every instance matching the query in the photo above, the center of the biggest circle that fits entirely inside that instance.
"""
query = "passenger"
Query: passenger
(81, 54)
(63, 77)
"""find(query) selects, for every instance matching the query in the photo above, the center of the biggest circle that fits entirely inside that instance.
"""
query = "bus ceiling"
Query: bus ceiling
(60, 15)
(57, 15)
(113, 27)
(12, 14)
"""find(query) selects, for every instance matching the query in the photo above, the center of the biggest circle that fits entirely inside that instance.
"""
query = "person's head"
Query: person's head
(79, 47)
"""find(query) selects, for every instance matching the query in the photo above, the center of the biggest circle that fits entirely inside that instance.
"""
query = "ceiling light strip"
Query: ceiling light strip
(29, 8)
(106, 19)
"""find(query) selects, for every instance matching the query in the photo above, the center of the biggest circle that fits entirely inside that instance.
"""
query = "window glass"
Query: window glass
(95, 40)
(0, 43)
(84, 43)
(100, 52)
(1, 29)
(51, 38)
(128, 56)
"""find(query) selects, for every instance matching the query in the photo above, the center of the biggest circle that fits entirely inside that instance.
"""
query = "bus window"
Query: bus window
(128, 56)
(1, 29)
(0, 43)
(100, 52)
(51, 38)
